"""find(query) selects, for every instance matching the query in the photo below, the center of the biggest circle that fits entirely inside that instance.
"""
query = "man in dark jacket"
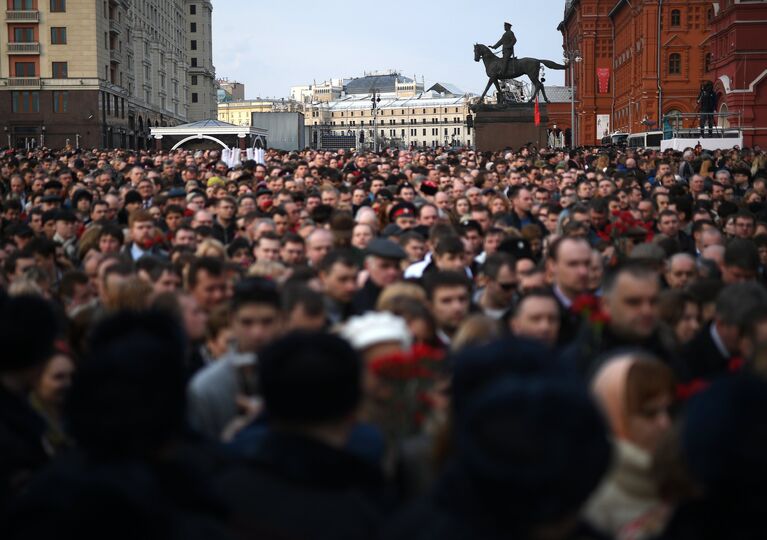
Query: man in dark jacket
(382, 264)
(521, 212)
(707, 102)
(568, 263)
(628, 317)
(27, 332)
(716, 349)
(300, 482)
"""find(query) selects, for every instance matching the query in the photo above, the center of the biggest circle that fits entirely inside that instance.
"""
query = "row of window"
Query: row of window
(675, 63)
(676, 16)
(28, 101)
(393, 112)
(24, 34)
(394, 123)
(59, 70)
(57, 6)
(414, 132)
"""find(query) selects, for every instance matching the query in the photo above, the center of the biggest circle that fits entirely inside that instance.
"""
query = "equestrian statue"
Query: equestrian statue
(510, 67)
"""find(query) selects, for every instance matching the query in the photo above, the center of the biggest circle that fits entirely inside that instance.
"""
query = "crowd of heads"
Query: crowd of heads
(599, 316)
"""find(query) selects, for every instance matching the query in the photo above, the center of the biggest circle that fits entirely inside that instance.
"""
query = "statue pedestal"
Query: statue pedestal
(509, 126)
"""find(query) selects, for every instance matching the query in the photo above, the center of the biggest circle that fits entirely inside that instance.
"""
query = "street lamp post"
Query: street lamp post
(376, 99)
(572, 57)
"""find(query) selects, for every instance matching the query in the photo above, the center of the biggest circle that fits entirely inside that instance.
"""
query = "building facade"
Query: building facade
(201, 75)
(638, 61)
(405, 114)
(658, 77)
(737, 63)
(229, 90)
(92, 74)
(240, 113)
(587, 43)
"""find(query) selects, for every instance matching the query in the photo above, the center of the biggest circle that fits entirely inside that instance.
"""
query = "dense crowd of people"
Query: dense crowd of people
(444, 343)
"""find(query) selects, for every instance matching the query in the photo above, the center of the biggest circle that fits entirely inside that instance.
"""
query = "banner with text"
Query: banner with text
(603, 76)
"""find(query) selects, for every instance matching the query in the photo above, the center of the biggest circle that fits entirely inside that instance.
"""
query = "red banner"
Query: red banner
(537, 113)
(603, 76)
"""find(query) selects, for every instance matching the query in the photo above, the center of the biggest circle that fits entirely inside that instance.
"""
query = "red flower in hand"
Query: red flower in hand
(686, 391)
(585, 302)
(735, 364)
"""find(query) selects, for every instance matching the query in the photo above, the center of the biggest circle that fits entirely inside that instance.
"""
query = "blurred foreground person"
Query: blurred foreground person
(50, 390)
(519, 427)
(636, 393)
(301, 482)
(229, 387)
(724, 447)
(27, 331)
(133, 474)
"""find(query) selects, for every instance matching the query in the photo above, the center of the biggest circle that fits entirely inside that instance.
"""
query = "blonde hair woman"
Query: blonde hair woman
(211, 247)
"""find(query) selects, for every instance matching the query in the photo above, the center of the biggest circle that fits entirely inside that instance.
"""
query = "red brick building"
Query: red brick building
(587, 31)
(737, 63)
(654, 79)
(641, 59)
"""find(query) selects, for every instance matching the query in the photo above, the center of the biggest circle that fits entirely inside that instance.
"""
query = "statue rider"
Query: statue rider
(508, 40)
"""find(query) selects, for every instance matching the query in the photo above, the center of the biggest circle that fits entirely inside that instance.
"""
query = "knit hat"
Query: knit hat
(375, 328)
(534, 448)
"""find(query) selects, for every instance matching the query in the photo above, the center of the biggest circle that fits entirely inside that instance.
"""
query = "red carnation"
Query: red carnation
(584, 302)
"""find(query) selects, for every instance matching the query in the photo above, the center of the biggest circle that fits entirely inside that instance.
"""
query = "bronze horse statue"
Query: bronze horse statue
(517, 67)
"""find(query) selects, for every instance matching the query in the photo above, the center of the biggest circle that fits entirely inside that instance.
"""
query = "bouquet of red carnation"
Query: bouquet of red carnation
(624, 225)
(590, 310)
(158, 240)
(405, 385)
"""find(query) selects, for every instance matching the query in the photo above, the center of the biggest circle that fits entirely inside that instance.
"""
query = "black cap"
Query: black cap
(380, 247)
(392, 229)
(401, 210)
(177, 193)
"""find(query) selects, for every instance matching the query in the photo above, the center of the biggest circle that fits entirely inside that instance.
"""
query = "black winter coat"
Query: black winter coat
(22, 450)
(296, 488)
(702, 358)
(79, 497)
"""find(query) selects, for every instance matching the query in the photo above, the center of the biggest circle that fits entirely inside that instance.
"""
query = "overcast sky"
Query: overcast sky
(271, 46)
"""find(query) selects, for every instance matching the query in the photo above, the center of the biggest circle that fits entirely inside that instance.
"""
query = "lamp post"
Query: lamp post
(572, 57)
(42, 137)
(375, 100)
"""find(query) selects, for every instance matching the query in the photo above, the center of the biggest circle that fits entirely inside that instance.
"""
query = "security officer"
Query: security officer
(508, 40)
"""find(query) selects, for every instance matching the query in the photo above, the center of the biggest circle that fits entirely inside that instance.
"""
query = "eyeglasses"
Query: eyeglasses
(507, 286)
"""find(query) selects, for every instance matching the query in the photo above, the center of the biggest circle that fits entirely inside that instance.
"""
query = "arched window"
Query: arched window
(676, 17)
(707, 62)
(675, 64)
(724, 121)
(674, 117)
